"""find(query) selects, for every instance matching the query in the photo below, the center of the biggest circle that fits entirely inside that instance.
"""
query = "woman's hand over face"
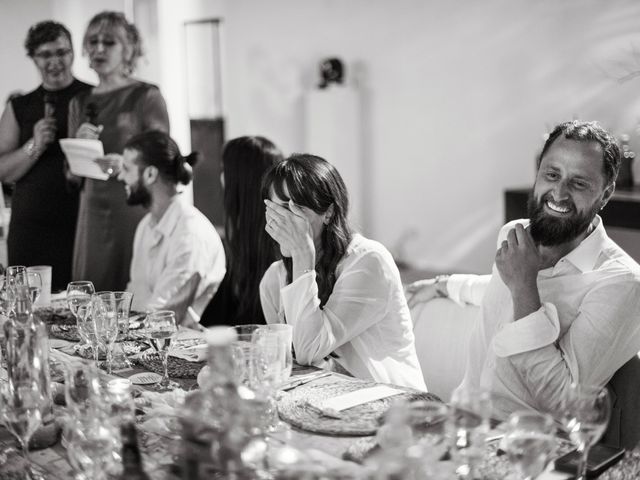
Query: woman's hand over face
(289, 226)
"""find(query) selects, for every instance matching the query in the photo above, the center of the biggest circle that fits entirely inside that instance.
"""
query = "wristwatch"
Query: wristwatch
(441, 285)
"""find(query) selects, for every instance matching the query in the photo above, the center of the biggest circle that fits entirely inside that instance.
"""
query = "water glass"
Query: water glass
(123, 310)
(275, 340)
(82, 390)
(105, 320)
(160, 327)
(586, 411)
(241, 352)
(530, 442)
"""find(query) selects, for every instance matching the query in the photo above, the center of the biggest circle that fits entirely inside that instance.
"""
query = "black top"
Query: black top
(44, 206)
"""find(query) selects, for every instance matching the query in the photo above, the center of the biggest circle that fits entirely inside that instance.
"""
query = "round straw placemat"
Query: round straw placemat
(176, 367)
(70, 333)
(295, 408)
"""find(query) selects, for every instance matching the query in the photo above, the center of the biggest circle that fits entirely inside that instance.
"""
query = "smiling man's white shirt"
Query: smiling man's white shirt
(587, 328)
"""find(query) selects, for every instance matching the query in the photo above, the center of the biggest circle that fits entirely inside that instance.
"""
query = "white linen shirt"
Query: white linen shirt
(178, 262)
(587, 327)
(366, 320)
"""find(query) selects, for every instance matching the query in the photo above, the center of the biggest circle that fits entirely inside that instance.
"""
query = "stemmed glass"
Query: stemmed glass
(79, 299)
(35, 285)
(530, 442)
(105, 322)
(21, 411)
(91, 443)
(586, 411)
(160, 327)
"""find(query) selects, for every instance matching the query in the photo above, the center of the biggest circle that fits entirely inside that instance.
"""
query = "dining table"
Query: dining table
(338, 447)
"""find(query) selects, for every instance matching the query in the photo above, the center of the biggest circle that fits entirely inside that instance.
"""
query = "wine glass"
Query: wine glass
(21, 410)
(159, 329)
(530, 442)
(105, 321)
(35, 285)
(78, 296)
(82, 390)
(586, 410)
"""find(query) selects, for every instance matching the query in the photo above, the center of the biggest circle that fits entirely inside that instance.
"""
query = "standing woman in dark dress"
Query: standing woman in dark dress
(44, 205)
(249, 249)
(115, 110)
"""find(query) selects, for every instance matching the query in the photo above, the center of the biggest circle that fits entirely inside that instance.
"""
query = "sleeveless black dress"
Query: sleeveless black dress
(44, 207)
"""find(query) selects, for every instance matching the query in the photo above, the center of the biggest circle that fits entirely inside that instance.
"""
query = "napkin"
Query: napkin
(353, 399)
(195, 353)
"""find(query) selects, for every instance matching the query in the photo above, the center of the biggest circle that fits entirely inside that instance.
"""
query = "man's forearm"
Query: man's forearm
(526, 300)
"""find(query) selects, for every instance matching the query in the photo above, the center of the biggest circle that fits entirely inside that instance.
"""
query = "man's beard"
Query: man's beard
(550, 231)
(139, 195)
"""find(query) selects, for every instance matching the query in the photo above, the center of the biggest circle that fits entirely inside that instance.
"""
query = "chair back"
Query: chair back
(624, 386)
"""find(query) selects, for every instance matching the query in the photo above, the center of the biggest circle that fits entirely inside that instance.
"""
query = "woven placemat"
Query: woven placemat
(176, 367)
(70, 333)
(361, 420)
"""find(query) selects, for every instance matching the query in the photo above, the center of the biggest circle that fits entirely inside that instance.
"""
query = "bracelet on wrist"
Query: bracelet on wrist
(31, 149)
(441, 286)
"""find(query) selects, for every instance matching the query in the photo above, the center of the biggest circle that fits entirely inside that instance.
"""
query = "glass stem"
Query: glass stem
(165, 366)
(96, 352)
(582, 464)
(109, 357)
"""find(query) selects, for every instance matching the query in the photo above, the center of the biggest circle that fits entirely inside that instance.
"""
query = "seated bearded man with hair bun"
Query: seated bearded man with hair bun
(178, 258)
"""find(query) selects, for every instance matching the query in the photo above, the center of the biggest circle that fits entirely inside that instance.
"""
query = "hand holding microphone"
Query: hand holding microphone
(89, 129)
(44, 131)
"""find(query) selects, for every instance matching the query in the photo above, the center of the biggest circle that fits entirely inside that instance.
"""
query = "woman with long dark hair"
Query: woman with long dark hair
(249, 249)
(341, 292)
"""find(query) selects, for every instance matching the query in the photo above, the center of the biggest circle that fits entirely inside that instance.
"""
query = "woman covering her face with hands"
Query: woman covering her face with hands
(340, 291)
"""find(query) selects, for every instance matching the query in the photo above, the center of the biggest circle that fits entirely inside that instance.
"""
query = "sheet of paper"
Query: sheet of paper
(352, 399)
(81, 154)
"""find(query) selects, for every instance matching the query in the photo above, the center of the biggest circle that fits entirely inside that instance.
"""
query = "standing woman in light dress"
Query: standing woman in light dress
(340, 291)
(115, 110)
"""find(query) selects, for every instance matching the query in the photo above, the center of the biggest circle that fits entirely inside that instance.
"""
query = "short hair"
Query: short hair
(117, 24)
(158, 149)
(45, 32)
(589, 132)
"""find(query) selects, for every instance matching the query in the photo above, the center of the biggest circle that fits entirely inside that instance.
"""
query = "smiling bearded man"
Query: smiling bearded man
(563, 301)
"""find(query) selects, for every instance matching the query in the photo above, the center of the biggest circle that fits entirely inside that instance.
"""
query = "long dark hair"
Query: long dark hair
(314, 183)
(250, 250)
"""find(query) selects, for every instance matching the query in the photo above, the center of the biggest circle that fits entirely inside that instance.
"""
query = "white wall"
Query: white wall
(456, 96)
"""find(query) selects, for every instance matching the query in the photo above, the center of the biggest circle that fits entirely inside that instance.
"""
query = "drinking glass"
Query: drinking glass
(428, 423)
(82, 390)
(21, 410)
(241, 352)
(92, 441)
(79, 295)
(159, 329)
(468, 425)
(586, 410)
(270, 366)
(7, 296)
(105, 320)
(17, 274)
(35, 285)
(123, 309)
(530, 442)
(275, 341)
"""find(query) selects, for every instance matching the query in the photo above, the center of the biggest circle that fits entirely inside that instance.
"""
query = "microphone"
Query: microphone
(91, 112)
(49, 104)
